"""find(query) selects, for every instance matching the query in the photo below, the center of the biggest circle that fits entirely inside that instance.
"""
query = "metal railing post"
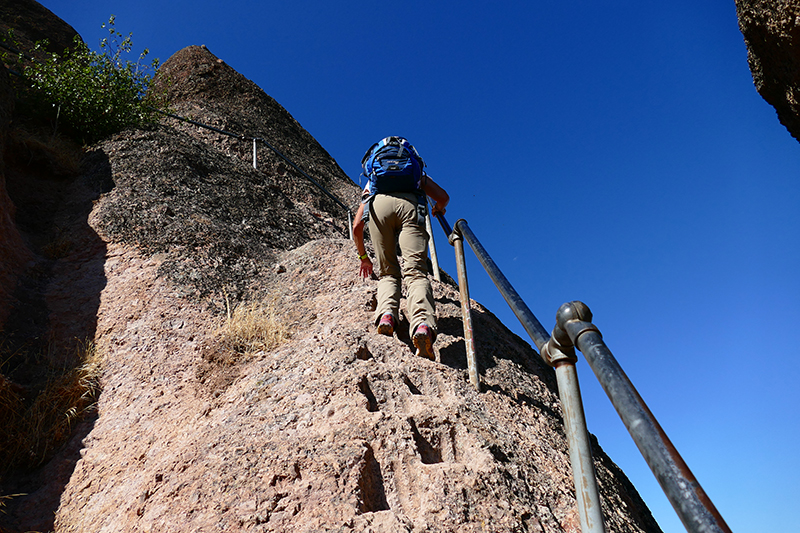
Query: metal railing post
(586, 490)
(350, 223)
(255, 161)
(559, 352)
(466, 312)
(691, 503)
(432, 247)
(531, 324)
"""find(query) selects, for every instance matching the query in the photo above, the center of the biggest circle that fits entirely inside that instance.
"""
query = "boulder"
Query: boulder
(772, 33)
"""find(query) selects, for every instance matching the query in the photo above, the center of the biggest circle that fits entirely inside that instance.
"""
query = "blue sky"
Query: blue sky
(611, 152)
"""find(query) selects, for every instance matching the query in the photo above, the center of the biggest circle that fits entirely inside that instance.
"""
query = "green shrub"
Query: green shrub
(92, 94)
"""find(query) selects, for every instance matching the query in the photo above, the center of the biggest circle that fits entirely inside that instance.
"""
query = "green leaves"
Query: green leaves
(93, 94)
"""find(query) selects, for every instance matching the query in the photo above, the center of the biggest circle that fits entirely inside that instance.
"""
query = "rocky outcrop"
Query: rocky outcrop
(33, 22)
(202, 87)
(336, 429)
(772, 33)
(340, 429)
(13, 251)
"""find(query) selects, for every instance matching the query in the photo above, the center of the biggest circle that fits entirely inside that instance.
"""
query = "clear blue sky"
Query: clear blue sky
(611, 152)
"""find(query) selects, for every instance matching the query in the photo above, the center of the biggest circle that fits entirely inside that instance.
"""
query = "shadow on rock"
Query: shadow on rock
(49, 332)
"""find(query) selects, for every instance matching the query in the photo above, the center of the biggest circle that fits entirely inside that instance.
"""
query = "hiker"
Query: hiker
(395, 204)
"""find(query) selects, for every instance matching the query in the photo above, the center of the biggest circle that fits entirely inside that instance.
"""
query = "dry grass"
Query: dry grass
(254, 327)
(31, 431)
(11, 407)
(3, 500)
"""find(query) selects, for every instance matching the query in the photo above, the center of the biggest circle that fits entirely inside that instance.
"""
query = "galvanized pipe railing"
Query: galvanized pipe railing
(691, 503)
(531, 324)
(574, 329)
(587, 493)
(561, 355)
(466, 311)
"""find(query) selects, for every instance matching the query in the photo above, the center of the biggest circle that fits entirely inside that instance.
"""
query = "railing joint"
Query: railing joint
(555, 353)
(454, 236)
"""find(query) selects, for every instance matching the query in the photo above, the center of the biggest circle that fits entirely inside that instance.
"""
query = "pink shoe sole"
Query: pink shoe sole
(386, 326)
(422, 341)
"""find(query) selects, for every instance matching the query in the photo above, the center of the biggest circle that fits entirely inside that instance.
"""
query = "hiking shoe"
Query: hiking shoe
(424, 341)
(386, 325)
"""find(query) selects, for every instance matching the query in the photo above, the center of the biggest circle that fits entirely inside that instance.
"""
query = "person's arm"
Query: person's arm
(438, 195)
(365, 270)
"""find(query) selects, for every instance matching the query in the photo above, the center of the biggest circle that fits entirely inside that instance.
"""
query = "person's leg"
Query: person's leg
(383, 224)
(413, 240)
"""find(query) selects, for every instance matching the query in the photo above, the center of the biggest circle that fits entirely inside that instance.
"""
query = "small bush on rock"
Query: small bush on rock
(92, 94)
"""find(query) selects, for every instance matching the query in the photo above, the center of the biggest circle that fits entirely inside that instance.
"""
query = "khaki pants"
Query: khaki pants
(393, 222)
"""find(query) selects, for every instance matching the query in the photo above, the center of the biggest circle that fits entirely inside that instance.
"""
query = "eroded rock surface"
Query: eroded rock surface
(772, 33)
(340, 429)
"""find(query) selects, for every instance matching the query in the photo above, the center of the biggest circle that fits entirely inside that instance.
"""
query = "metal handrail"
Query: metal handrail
(574, 329)
(587, 493)
(690, 501)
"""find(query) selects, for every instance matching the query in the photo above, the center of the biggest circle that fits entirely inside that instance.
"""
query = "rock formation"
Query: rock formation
(33, 22)
(30, 22)
(166, 230)
(12, 250)
(772, 33)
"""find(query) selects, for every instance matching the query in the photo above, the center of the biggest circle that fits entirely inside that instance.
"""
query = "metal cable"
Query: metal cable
(223, 132)
(266, 143)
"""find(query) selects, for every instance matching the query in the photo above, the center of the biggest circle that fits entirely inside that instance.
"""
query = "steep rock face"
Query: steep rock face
(198, 200)
(12, 250)
(337, 429)
(33, 22)
(772, 33)
(215, 220)
(202, 87)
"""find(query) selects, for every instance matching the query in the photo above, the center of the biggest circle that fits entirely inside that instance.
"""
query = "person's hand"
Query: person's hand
(365, 270)
(437, 209)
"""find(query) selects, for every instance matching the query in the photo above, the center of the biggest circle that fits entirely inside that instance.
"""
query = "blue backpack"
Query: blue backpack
(393, 165)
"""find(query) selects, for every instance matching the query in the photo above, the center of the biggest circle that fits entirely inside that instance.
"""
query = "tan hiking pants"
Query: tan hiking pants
(393, 222)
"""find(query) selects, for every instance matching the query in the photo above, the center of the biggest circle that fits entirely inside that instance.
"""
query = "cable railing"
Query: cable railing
(574, 329)
(254, 140)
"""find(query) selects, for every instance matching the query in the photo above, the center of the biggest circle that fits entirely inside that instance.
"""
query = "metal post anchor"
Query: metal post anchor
(466, 313)
(559, 352)
(350, 223)
(693, 506)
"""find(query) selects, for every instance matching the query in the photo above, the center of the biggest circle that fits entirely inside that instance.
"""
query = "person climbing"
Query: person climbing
(394, 203)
